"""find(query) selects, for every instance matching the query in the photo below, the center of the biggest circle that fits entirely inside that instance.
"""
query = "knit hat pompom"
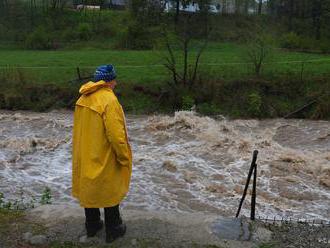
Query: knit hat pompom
(105, 72)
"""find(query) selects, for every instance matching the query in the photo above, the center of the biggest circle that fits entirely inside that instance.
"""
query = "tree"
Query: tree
(258, 51)
(144, 24)
(182, 60)
(260, 7)
(317, 12)
(238, 6)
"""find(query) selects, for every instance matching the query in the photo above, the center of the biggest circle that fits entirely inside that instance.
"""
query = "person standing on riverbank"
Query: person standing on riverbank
(101, 156)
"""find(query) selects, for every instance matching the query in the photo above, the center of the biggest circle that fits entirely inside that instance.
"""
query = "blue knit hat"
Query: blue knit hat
(105, 72)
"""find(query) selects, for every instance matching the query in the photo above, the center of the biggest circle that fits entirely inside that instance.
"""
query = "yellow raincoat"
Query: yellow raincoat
(102, 157)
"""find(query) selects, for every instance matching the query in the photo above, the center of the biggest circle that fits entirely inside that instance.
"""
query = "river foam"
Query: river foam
(183, 163)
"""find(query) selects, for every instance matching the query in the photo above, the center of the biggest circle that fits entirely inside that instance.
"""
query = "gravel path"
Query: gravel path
(292, 235)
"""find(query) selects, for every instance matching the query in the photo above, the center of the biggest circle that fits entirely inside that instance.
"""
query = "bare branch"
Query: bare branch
(197, 61)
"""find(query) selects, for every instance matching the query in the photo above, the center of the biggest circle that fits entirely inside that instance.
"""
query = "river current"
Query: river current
(182, 163)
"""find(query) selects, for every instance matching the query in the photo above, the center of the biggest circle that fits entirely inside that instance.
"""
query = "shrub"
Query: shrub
(254, 102)
(325, 46)
(208, 108)
(70, 34)
(259, 50)
(2, 101)
(104, 29)
(85, 31)
(294, 41)
(19, 92)
(38, 39)
(121, 39)
(291, 41)
(3, 30)
(137, 37)
(307, 43)
(187, 102)
(322, 108)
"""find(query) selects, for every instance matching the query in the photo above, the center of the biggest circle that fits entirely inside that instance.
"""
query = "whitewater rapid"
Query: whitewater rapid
(182, 163)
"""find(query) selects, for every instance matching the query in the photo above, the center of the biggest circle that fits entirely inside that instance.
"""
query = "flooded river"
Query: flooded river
(182, 163)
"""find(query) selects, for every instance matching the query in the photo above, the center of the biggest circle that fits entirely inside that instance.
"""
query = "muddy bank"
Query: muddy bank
(65, 223)
(63, 226)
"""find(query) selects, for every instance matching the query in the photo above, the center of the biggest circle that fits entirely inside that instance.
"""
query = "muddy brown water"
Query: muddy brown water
(182, 163)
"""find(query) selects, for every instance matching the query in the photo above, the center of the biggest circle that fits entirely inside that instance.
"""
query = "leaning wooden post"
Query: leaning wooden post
(254, 194)
(253, 163)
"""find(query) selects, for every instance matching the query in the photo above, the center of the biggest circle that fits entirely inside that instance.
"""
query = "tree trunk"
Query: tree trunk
(246, 7)
(224, 7)
(317, 14)
(177, 11)
(259, 7)
(291, 14)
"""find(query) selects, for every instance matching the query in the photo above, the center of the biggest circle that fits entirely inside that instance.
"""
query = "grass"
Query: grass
(8, 226)
(42, 82)
(221, 60)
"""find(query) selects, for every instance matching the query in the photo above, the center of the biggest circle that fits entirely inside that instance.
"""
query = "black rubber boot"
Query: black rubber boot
(93, 227)
(114, 227)
(112, 233)
(93, 221)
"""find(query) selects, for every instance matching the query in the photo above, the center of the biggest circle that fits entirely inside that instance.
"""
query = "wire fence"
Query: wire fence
(162, 65)
(281, 220)
(303, 233)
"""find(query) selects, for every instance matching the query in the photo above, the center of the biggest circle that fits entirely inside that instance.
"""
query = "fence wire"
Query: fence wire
(294, 232)
(276, 220)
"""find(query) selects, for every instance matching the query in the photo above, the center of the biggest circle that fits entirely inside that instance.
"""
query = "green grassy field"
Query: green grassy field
(220, 60)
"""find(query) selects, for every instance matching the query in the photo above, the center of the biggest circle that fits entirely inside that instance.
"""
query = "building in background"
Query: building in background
(215, 6)
(113, 4)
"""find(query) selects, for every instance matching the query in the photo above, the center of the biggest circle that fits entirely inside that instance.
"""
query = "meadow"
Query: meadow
(219, 60)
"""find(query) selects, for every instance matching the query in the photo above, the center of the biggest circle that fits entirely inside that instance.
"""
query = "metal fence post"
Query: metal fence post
(252, 168)
(254, 194)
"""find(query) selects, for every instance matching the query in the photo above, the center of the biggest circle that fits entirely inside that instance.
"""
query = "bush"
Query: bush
(39, 39)
(70, 34)
(136, 37)
(322, 108)
(139, 38)
(104, 29)
(294, 41)
(254, 103)
(325, 46)
(19, 91)
(187, 102)
(3, 30)
(307, 43)
(208, 108)
(291, 41)
(85, 31)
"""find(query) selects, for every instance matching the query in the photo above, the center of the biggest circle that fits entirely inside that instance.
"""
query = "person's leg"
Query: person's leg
(114, 226)
(93, 221)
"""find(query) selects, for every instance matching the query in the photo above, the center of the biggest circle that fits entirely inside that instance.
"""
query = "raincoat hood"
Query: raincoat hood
(91, 87)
